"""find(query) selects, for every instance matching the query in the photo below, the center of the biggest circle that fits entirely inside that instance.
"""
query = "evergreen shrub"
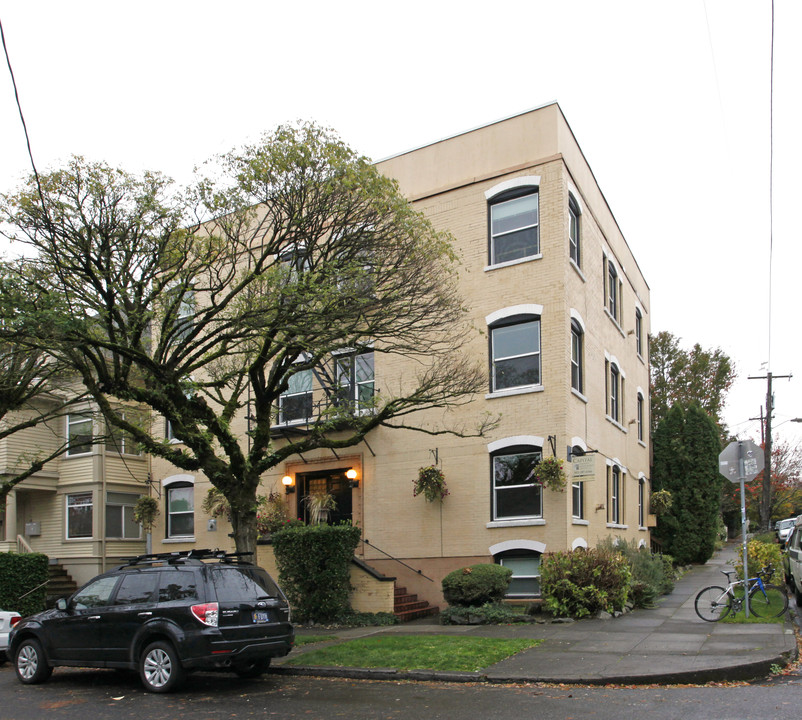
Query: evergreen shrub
(19, 574)
(476, 585)
(580, 582)
(314, 563)
(652, 574)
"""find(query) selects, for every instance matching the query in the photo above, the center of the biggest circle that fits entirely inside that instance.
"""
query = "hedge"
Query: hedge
(19, 575)
(314, 569)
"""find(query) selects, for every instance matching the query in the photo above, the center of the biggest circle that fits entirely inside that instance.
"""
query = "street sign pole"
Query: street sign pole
(742, 480)
(740, 462)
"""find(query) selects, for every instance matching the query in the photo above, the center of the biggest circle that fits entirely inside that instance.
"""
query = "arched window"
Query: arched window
(514, 220)
(180, 498)
(577, 356)
(523, 558)
(515, 347)
(515, 494)
(574, 244)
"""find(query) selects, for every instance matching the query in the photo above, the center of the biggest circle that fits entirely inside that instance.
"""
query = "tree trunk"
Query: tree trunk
(244, 530)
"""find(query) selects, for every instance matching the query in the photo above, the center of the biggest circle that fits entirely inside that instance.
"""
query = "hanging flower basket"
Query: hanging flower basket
(431, 483)
(660, 502)
(146, 510)
(549, 473)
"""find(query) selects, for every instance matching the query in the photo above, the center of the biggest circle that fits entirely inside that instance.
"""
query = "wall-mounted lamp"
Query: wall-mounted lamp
(353, 477)
(288, 483)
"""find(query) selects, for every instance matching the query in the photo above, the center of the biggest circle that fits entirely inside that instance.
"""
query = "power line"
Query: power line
(22, 117)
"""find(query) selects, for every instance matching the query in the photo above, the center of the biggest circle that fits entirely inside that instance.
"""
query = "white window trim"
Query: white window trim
(515, 523)
(522, 390)
(514, 441)
(166, 484)
(512, 310)
(517, 261)
(516, 182)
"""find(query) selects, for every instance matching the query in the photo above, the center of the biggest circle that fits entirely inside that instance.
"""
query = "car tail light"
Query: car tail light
(15, 620)
(206, 613)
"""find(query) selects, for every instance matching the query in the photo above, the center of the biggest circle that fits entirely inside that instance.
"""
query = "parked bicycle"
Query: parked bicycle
(714, 603)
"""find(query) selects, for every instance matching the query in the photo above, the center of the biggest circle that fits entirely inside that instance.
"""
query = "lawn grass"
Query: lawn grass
(445, 653)
(311, 639)
(775, 604)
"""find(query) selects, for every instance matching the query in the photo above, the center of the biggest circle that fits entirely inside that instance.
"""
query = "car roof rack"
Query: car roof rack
(186, 556)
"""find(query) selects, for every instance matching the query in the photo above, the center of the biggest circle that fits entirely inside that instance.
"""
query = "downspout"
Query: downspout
(102, 464)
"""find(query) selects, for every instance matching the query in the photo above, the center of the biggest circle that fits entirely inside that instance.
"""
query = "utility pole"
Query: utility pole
(765, 504)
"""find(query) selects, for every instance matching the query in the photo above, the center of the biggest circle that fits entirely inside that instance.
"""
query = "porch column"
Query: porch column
(10, 524)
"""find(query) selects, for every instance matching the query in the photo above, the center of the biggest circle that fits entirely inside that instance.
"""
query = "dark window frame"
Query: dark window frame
(507, 322)
(507, 197)
(537, 490)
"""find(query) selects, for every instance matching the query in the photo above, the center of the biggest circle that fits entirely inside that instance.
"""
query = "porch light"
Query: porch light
(288, 483)
(353, 477)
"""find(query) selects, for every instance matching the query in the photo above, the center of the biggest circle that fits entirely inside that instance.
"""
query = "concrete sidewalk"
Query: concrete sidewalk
(665, 644)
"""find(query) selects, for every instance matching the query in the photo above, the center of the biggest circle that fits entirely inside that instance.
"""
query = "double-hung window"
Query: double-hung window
(614, 382)
(612, 290)
(615, 392)
(120, 516)
(641, 503)
(295, 403)
(639, 332)
(577, 351)
(578, 501)
(180, 510)
(516, 495)
(525, 568)
(121, 441)
(354, 380)
(514, 226)
(79, 516)
(639, 417)
(79, 434)
(515, 351)
(574, 247)
(614, 490)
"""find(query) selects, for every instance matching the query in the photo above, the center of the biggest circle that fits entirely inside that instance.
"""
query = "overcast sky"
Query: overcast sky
(670, 102)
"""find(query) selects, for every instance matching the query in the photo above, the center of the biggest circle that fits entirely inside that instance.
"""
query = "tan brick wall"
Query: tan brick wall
(447, 181)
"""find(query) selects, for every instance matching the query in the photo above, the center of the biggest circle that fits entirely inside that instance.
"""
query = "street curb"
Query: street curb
(742, 672)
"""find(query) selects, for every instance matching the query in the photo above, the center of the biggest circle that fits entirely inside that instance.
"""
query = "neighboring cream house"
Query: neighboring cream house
(565, 315)
(79, 509)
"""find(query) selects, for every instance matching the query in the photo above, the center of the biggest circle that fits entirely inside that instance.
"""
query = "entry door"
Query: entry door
(333, 482)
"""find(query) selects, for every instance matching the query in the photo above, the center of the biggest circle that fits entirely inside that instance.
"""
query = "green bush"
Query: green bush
(476, 585)
(487, 614)
(758, 555)
(19, 575)
(652, 574)
(580, 582)
(314, 563)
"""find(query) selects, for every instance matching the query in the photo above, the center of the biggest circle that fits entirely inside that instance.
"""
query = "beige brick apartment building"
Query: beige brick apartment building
(562, 313)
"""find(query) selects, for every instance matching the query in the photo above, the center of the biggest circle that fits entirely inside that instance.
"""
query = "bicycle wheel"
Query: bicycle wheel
(713, 603)
(772, 603)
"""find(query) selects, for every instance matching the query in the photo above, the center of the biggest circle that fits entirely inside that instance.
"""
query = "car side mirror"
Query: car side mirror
(61, 604)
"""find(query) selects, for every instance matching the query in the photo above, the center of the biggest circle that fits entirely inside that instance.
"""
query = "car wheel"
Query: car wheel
(252, 669)
(30, 663)
(159, 668)
(797, 595)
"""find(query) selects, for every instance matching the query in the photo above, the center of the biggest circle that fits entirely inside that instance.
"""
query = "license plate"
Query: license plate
(260, 616)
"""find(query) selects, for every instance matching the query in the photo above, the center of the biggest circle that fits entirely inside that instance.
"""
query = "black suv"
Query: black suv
(161, 615)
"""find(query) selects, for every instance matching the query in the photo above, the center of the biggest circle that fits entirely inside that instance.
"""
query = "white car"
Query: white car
(784, 528)
(7, 621)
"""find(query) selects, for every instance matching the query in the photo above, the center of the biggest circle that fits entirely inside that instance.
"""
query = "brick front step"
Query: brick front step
(408, 607)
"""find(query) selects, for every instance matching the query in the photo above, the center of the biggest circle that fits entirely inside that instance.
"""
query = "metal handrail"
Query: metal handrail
(419, 572)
